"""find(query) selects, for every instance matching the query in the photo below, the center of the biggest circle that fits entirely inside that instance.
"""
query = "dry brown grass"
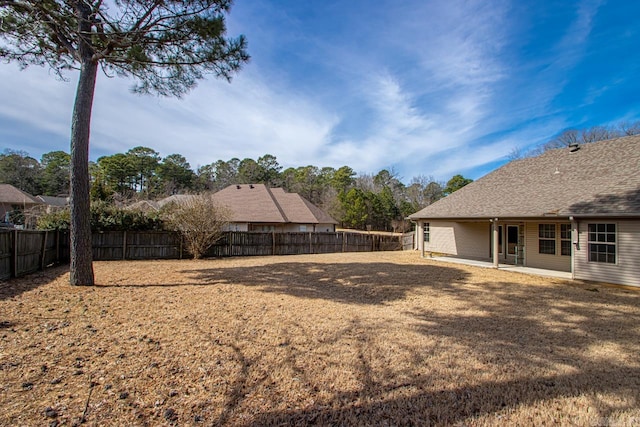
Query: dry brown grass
(340, 339)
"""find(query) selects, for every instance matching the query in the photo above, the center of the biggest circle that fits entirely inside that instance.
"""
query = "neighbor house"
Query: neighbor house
(14, 200)
(574, 209)
(256, 207)
(53, 204)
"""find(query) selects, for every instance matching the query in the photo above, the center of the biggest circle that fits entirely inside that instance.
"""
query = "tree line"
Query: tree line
(573, 136)
(378, 201)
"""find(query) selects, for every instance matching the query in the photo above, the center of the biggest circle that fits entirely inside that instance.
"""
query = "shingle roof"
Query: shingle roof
(10, 195)
(54, 201)
(256, 203)
(599, 179)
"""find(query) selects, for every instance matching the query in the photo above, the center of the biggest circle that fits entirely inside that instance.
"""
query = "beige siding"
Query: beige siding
(464, 239)
(324, 228)
(534, 259)
(237, 226)
(626, 271)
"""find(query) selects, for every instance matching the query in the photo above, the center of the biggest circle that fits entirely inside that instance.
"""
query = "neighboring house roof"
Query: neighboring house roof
(598, 179)
(54, 201)
(176, 198)
(10, 195)
(156, 205)
(144, 206)
(257, 203)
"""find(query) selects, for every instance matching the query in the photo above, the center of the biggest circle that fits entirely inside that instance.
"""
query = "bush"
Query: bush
(58, 220)
(105, 217)
(199, 219)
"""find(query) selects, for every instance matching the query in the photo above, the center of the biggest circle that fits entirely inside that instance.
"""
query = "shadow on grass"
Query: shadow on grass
(457, 404)
(349, 283)
(14, 287)
(551, 339)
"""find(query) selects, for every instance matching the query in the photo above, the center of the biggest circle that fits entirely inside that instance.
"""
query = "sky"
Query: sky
(419, 87)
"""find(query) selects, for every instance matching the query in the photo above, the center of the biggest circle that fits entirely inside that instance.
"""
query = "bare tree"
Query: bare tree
(597, 133)
(629, 129)
(199, 219)
(586, 136)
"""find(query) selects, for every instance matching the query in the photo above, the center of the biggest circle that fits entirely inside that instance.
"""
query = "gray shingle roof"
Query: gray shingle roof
(53, 201)
(599, 179)
(10, 195)
(256, 203)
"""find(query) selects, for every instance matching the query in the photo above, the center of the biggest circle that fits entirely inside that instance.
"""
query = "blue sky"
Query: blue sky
(432, 88)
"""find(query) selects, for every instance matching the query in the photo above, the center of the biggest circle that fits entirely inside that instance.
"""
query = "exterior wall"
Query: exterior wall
(533, 258)
(626, 270)
(237, 226)
(463, 239)
(282, 228)
(323, 228)
(295, 228)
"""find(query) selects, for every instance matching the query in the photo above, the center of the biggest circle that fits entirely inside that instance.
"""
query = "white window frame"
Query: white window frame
(550, 237)
(565, 238)
(602, 239)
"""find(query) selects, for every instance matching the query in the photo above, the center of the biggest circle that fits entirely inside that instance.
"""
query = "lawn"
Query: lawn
(381, 338)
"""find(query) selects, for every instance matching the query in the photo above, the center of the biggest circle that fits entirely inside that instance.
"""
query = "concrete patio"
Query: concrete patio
(507, 267)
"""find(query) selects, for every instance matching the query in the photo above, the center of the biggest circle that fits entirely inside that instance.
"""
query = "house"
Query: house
(256, 207)
(52, 203)
(14, 200)
(574, 209)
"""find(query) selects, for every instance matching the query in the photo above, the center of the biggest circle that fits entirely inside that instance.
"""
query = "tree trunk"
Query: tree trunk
(81, 269)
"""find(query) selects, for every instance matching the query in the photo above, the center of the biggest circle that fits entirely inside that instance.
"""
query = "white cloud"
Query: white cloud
(35, 96)
(424, 87)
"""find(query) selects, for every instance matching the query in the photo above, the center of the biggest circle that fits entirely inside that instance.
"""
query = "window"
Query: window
(565, 239)
(602, 243)
(425, 229)
(547, 239)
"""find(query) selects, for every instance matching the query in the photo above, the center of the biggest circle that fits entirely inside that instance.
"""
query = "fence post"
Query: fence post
(273, 242)
(344, 240)
(14, 254)
(44, 250)
(57, 245)
(124, 244)
(180, 235)
(310, 243)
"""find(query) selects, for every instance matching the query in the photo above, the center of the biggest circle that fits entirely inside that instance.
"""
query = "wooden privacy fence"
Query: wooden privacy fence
(238, 243)
(23, 252)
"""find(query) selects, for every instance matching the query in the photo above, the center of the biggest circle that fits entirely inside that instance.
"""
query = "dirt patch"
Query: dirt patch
(338, 339)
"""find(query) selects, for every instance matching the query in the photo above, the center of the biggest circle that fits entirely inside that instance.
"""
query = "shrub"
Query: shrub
(105, 217)
(200, 221)
(57, 220)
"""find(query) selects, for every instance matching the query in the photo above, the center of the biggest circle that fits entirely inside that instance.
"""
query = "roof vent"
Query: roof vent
(573, 147)
(251, 186)
(238, 187)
